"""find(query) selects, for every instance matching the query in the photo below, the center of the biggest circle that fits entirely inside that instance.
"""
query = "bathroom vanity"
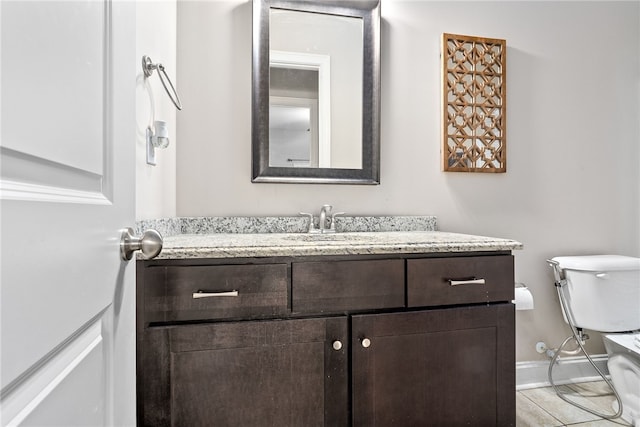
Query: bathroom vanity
(361, 329)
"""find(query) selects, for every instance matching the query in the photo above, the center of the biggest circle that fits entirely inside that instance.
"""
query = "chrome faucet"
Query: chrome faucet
(325, 214)
(326, 210)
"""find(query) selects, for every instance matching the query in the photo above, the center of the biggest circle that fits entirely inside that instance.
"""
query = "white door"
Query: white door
(67, 337)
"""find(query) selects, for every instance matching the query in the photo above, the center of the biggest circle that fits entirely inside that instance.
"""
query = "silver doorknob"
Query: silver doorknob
(150, 244)
(366, 342)
(337, 345)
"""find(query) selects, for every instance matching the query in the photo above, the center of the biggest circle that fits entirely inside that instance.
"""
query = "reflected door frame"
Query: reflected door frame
(321, 64)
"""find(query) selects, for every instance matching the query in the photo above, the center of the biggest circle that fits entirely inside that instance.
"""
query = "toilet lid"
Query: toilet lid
(599, 263)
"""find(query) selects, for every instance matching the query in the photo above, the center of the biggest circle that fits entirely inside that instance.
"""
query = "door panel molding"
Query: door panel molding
(22, 398)
(11, 190)
(29, 178)
(56, 80)
(49, 155)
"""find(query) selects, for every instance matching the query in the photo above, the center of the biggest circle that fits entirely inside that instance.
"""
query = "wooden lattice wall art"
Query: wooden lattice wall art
(474, 104)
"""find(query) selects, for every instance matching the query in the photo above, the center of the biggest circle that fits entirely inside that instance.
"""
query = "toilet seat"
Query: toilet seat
(630, 341)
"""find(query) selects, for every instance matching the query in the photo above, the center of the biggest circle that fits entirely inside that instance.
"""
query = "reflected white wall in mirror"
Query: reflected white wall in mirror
(340, 39)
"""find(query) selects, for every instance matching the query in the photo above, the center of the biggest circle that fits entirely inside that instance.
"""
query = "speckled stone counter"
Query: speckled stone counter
(283, 224)
(247, 237)
(297, 244)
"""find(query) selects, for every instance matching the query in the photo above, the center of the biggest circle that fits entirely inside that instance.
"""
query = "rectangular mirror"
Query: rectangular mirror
(316, 90)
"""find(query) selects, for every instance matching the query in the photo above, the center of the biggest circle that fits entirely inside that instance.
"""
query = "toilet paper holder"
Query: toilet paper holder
(523, 298)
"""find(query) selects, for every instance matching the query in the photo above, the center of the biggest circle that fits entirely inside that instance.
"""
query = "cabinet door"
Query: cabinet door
(256, 373)
(445, 367)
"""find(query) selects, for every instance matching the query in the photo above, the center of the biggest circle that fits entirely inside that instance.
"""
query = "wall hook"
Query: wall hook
(148, 66)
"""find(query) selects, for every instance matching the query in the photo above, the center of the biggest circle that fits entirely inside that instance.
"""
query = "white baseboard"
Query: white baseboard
(533, 374)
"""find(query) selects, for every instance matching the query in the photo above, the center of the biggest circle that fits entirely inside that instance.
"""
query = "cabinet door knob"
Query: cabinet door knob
(337, 345)
(366, 342)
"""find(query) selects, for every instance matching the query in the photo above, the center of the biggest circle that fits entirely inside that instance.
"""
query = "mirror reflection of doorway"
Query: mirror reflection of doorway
(299, 81)
(293, 134)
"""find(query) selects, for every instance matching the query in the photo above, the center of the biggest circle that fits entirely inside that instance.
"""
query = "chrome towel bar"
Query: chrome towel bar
(148, 66)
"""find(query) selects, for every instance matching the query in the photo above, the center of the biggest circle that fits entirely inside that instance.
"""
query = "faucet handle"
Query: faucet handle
(311, 226)
(333, 219)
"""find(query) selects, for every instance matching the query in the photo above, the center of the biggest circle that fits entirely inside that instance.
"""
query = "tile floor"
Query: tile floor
(540, 407)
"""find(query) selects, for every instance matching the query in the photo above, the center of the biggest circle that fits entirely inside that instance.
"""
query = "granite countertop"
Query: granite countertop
(245, 237)
(222, 245)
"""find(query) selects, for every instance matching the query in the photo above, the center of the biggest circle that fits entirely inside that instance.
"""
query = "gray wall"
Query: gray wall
(573, 133)
(155, 185)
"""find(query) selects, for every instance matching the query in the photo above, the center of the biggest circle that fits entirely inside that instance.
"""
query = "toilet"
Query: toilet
(603, 294)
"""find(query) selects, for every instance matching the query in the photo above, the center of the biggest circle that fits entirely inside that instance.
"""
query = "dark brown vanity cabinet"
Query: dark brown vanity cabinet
(338, 341)
(443, 367)
(254, 373)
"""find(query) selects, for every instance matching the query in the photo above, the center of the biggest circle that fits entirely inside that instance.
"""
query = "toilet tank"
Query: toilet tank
(603, 291)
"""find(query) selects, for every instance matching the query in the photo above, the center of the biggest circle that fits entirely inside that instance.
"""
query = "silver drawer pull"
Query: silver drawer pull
(472, 281)
(201, 294)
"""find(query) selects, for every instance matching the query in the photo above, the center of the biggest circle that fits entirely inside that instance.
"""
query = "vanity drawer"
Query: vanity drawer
(459, 280)
(178, 293)
(338, 286)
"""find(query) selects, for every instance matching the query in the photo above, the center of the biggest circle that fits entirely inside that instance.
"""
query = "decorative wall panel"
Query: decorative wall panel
(474, 104)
